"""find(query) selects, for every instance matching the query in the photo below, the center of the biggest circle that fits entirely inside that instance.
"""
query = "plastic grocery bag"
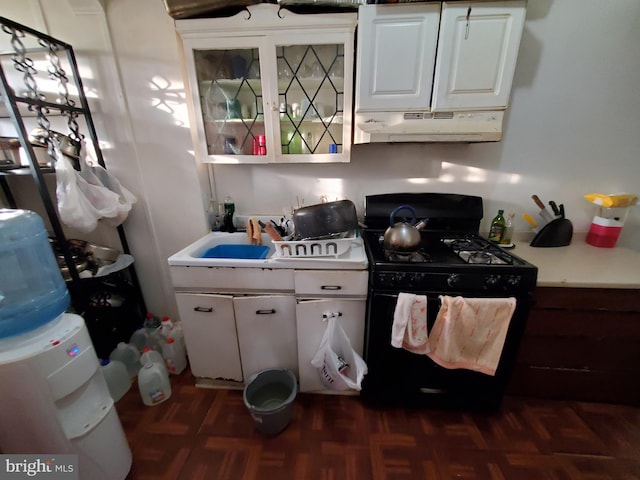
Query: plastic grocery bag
(73, 206)
(339, 365)
(96, 174)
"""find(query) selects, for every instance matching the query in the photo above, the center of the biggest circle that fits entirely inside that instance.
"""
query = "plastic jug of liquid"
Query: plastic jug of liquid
(152, 356)
(32, 290)
(153, 384)
(175, 356)
(166, 325)
(117, 378)
(139, 338)
(152, 326)
(129, 355)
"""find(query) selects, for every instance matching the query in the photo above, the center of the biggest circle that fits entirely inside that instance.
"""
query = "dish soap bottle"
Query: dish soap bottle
(227, 220)
(498, 226)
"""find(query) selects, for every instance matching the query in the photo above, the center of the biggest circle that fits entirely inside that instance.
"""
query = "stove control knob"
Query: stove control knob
(390, 279)
(492, 281)
(415, 279)
(398, 278)
(454, 280)
(513, 280)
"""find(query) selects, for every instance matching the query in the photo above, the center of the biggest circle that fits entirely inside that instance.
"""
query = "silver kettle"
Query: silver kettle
(403, 236)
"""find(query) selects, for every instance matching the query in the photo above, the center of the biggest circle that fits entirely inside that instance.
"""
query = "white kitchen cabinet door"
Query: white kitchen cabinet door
(270, 86)
(210, 336)
(311, 328)
(396, 56)
(477, 54)
(266, 333)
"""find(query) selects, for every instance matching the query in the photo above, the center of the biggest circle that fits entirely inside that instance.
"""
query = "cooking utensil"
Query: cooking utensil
(68, 145)
(403, 236)
(269, 230)
(544, 213)
(554, 208)
(325, 219)
(103, 255)
(531, 221)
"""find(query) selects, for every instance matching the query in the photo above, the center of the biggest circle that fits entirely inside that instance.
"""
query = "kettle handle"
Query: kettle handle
(392, 217)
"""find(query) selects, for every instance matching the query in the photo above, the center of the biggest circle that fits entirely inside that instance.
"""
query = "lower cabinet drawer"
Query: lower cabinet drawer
(323, 283)
(223, 279)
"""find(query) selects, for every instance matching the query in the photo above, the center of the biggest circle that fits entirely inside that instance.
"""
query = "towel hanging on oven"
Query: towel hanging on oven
(409, 329)
(470, 332)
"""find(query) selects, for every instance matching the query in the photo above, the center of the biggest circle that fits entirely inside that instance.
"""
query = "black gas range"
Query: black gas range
(449, 261)
(453, 259)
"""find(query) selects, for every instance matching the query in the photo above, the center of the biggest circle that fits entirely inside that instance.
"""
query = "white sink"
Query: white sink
(191, 255)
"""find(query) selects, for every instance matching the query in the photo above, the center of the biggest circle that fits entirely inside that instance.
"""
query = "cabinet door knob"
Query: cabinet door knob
(330, 287)
(270, 311)
(203, 309)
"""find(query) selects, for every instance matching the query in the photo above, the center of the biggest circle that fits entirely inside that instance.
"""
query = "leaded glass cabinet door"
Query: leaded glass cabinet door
(228, 99)
(231, 100)
(311, 100)
(267, 85)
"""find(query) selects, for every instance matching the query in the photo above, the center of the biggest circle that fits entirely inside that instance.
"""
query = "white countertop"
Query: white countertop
(582, 265)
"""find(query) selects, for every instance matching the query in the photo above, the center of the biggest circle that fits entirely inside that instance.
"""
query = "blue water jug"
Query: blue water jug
(32, 290)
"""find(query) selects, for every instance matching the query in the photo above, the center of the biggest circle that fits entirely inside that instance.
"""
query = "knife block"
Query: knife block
(556, 233)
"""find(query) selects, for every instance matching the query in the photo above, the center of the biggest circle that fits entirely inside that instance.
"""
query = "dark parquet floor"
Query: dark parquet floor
(208, 434)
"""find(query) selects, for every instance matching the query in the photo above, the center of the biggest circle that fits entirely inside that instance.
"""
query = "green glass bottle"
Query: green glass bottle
(498, 226)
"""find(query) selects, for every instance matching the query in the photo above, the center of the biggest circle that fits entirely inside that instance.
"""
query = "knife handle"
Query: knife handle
(538, 202)
(272, 232)
(554, 208)
(531, 222)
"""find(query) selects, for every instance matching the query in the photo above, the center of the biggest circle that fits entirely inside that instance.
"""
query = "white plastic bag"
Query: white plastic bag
(74, 208)
(96, 174)
(339, 365)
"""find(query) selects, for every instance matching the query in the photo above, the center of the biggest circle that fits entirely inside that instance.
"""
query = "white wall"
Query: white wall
(573, 127)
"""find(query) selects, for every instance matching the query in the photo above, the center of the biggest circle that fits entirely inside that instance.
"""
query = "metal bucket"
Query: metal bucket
(269, 396)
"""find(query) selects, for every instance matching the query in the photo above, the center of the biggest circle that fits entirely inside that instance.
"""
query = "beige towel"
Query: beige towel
(254, 232)
(409, 330)
(470, 332)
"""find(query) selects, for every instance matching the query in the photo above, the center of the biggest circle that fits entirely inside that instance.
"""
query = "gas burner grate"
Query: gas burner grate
(419, 256)
(481, 257)
(477, 250)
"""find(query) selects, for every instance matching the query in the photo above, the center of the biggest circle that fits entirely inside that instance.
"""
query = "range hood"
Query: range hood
(428, 127)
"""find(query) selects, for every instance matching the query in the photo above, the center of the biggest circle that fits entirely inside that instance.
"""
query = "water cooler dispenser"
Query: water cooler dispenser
(54, 396)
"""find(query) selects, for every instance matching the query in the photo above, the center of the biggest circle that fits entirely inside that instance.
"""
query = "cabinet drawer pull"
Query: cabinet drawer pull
(269, 311)
(330, 287)
(203, 309)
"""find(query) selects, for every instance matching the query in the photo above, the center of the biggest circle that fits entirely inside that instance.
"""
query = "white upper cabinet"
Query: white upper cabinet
(267, 85)
(397, 49)
(435, 71)
(477, 55)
